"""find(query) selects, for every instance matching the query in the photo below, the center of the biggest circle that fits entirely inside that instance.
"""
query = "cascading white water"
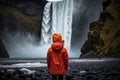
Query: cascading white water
(57, 18)
(46, 24)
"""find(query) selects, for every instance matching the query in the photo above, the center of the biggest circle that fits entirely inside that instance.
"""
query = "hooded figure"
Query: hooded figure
(57, 57)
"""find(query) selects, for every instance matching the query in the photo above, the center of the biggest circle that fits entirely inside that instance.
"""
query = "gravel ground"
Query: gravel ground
(83, 69)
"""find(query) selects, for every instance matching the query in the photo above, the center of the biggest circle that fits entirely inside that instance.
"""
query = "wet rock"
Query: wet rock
(4, 78)
(3, 51)
(27, 71)
(27, 78)
(10, 71)
(2, 72)
(38, 74)
(68, 76)
(90, 73)
(82, 74)
(74, 70)
(22, 76)
(106, 3)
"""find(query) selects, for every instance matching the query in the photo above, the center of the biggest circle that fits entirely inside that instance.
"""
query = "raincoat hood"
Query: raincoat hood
(57, 42)
(57, 38)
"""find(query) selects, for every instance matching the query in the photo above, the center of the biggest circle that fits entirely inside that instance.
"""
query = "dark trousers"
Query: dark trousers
(57, 77)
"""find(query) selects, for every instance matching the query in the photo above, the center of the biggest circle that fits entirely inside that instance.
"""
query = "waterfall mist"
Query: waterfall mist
(23, 45)
(85, 12)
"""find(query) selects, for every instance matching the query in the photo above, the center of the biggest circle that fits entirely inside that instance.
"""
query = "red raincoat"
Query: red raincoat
(57, 56)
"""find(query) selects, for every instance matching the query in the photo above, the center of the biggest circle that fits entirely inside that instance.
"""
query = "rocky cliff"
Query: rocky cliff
(20, 16)
(104, 35)
(3, 52)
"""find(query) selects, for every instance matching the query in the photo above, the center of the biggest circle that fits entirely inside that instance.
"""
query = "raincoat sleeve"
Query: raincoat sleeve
(66, 59)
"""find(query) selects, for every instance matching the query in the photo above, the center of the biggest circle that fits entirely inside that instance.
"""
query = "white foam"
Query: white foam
(87, 60)
(27, 71)
(21, 65)
(54, 0)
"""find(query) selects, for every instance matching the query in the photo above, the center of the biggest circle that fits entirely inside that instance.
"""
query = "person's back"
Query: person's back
(57, 58)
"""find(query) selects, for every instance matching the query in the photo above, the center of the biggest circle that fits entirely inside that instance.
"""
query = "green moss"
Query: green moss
(8, 11)
(114, 9)
(28, 23)
(109, 33)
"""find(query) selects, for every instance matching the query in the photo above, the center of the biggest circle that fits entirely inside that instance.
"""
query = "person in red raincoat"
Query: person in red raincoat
(57, 58)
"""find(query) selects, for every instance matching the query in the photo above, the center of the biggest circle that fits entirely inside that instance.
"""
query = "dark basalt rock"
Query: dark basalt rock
(106, 3)
(3, 51)
(21, 16)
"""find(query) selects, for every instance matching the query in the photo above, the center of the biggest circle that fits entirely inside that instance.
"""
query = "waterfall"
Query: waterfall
(57, 17)
(46, 25)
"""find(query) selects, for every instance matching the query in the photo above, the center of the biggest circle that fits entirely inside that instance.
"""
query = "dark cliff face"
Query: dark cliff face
(19, 16)
(83, 14)
(3, 52)
(104, 35)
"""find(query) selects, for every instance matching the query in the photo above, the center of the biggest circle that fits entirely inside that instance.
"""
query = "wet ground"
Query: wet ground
(79, 69)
